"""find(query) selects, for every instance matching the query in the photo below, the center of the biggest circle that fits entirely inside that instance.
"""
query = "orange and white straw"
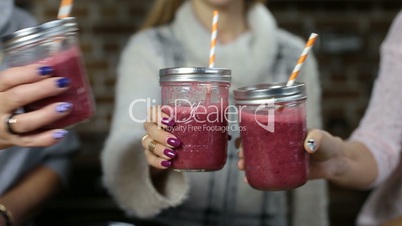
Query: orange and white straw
(302, 58)
(65, 9)
(214, 35)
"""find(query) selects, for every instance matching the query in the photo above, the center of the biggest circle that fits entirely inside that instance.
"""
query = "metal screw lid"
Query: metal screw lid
(18, 34)
(258, 94)
(35, 34)
(195, 74)
(59, 26)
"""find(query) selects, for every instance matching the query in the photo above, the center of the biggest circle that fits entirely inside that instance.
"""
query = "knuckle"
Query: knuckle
(147, 125)
(144, 142)
(152, 160)
(17, 98)
(21, 127)
(148, 156)
(5, 83)
(338, 139)
(27, 142)
(158, 150)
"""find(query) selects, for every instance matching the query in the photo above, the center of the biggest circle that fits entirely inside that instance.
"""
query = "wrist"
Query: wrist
(355, 167)
(6, 216)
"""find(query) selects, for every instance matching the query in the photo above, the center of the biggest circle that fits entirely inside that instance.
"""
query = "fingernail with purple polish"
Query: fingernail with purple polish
(61, 108)
(166, 164)
(167, 122)
(60, 134)
(45, 70)
(63, 82)
(169, 153)
(174, 142)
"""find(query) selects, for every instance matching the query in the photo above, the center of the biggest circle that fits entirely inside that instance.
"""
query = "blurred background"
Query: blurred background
(347, 52)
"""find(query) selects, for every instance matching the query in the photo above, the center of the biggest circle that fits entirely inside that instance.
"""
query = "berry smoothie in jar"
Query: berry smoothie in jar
(196, 99)
(273, 117)
(54, 44)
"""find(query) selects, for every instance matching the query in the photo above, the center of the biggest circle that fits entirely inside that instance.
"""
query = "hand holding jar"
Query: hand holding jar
(192, 120)
(53, 44)
(20, 86)
(159, 144)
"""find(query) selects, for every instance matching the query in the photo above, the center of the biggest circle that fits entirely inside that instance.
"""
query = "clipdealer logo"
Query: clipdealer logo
(270, 104)
(199, 113)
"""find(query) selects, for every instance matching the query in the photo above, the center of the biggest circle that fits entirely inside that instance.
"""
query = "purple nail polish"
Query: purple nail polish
(169, 153)
(167, 122)
(61, 108)
(60, 134)
(166, 164)
(45, 70)
(174, 142)
(63, 82)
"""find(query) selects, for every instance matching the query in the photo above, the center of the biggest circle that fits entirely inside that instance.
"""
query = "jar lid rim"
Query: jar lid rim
(194, 74)
(262, 92)
(39, 32)
(193, 70)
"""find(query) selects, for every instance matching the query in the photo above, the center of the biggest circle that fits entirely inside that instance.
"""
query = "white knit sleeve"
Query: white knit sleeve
(125, 169)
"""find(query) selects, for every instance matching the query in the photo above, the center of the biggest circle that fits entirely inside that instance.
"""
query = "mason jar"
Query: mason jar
(53, 44)
(273, 122)
(196, 99)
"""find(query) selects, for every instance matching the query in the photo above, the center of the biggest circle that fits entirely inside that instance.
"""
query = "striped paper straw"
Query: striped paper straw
(65, 9)
(214, 35)
(302, 58)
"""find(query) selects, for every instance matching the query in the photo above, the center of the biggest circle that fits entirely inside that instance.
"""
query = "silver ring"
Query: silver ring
(152, 145)
(11, 120)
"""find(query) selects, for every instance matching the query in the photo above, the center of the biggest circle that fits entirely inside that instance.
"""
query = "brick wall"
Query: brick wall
(347, 51)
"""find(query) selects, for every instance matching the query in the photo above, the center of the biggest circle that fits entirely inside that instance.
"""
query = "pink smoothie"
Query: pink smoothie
(203, 133)
(275, 160)
(69, 64)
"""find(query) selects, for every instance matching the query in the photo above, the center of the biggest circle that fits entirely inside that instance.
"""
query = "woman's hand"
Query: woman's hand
(20, 86)
(327, 158)
(240, 154)
(345, 163)
(328, 155)
(159, 144)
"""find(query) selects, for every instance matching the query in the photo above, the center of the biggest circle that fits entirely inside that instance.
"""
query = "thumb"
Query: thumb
(313, 140)
(322, 144)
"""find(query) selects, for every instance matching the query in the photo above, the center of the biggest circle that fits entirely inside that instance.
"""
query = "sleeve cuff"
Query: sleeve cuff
(126, 176)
